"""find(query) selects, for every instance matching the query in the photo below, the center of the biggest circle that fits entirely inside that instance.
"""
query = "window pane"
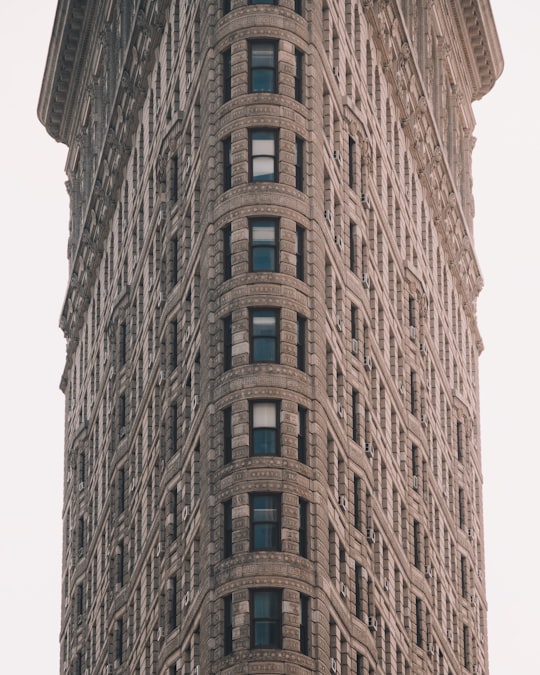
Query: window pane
(266, 605)
(264, 414)
(264, 442)
(263, 233)
(263, 143)
(263, 168)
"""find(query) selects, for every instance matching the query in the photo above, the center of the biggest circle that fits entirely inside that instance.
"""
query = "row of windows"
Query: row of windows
(263, 69)
(266, 624)
(263, 158)
(264, 338)
(264, 247)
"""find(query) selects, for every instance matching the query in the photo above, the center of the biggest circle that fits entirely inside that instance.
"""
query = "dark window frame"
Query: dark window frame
(302, 434)
(299, 75)
(227, 625)
(276, 429)
(255, 340)
(300, 252)
(273, 523)
(303, 527)
(254, 69)
(272, 617)
(226, 63)
(227, 342)
(227, 252)
(304, 623)
(274, 133)
(301, 340)
(227, 435)
(227, 529)
(253, 247)
(299, 163)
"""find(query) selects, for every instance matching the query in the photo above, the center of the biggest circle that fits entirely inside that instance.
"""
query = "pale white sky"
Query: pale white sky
(33, 280)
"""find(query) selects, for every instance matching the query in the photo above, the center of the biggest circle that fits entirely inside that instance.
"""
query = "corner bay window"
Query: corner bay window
(266, 618)
(264, 427)
(263, 238)
(264, 329)
(263, 66)
(265, 522)
(263, 155)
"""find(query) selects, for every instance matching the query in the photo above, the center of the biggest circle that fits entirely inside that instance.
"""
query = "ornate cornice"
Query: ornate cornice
(480, 43)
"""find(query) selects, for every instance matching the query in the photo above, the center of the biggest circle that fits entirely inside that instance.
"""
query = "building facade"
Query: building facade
(272, 456)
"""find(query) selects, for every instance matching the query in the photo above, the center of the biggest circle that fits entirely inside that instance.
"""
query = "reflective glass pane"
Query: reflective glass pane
(264, 441)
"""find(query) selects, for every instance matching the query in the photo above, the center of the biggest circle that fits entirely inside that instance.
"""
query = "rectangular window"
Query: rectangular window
(174, 179)
(264, 334)
(264, 427)
(122, 356)
(419, 623)
(303, 514)
(304, 624)
(299, 164)
(355, 416)
(298, 75)
(358, 587)
(263, 2)
(300, 238)
(302, 434)
(413, 393)
(226, 7)
(227, 163)
(461, 507)
(227, 75)
(466, 647)
(263, 160)
(172, 591)
(173, 333)
(122, 415)
(120, 563)
(227, 342)
(263, 239)
(227, 252)
(298, 6)
(265, 522)
(262, 66)
(227, 529)
(417, 544)
(352, 162)
(227, 435)
(357, 488)
(463, 576)
(227, 625)
(301, 323)
(121, 491)
(459, 441)
(119, 634)
(174, 261)
(353, 266)
(266, 618)
(174, 428)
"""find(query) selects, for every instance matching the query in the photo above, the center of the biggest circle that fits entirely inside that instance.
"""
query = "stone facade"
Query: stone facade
(272, 459)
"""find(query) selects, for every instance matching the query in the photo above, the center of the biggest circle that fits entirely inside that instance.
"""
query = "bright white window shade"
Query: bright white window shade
(264, 415)
(263, 153)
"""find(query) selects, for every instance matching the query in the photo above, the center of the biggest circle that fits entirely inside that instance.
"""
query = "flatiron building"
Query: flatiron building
(272, 450)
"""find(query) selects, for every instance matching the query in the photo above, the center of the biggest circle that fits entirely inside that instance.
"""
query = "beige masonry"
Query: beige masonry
(305, 497)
